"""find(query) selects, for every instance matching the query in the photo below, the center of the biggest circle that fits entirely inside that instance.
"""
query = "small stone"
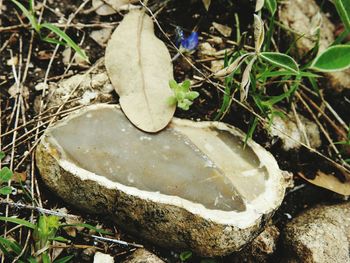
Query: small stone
(319, 235)
(103, 258)
(142, 256)
(261, 249)
(291, 134)
(101, 36)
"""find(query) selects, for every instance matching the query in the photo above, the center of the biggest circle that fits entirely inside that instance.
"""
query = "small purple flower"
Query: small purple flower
(191, 42)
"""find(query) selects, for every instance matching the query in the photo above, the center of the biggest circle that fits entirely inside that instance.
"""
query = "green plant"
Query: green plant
(44, 232)
(63, 38)
(185, 255)
(5, 175)
(183, 96)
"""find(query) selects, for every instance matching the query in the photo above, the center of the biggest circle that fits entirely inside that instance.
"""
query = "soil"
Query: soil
(16, 40)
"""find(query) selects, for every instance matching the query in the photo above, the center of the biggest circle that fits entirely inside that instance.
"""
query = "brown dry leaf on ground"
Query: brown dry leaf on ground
(139, 66)
(329, 182)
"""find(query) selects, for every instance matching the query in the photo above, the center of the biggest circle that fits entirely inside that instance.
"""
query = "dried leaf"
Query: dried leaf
(206, 4)
(329, 182)
(259, 5)
(231, 68)
(245, 83)
(223, 29)
(259, 32)
(139, 66)
(109, 7)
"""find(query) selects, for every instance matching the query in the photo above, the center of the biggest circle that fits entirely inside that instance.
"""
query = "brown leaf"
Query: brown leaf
(139, 66)
(206, 4)
(228, 70)
(259, 33)
(245, 83)
(223, 29)
(329, 182)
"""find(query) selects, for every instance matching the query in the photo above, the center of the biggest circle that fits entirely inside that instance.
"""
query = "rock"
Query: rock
(87, 88)
(287, 128)
(191, 186)
(319, 235)
(103, 258)
(110, 7)
(304, 16)
(261, 249)
(101, 36)
(142, 256)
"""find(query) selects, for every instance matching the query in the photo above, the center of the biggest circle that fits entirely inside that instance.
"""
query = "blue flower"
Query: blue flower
(188, 44)
(191, 42)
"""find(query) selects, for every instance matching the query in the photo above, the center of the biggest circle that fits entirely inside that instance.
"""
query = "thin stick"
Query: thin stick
(119, 242)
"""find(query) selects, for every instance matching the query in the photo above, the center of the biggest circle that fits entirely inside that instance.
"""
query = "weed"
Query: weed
(183, 96)
(63, 38)
(5, 176)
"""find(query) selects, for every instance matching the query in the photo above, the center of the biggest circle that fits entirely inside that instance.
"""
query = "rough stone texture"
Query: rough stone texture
(319, 235)
(103, 258)
(302, 16)
(286, 128)
(261, 249)
(142, 256)
(162, 223)
(90, 87)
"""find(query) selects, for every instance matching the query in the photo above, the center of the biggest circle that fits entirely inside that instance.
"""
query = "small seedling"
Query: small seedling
(183, 96)
(5, 175)
(63, 38)
(185, 255)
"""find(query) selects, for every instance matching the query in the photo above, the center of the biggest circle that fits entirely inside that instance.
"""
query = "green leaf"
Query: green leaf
(185, 255)
(6, 190)
(343, 8)
(281, 60)
(32, 260)
(173, 84)
(191, 95)
(282, 73)
(186, 85)
(64, 259)
(13, 245)
(29, 15)
(60, 239)
(172, 100)
(53, 41)
(271, 5)
(66, 38)
(17, 221)
(334, 58)
(45, 258)
(2, 155)
(5, 174)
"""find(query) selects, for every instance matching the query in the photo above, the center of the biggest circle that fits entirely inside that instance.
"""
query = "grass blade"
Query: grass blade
(17, 221)
(66, 39)
(29, 15)
(343, 8)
